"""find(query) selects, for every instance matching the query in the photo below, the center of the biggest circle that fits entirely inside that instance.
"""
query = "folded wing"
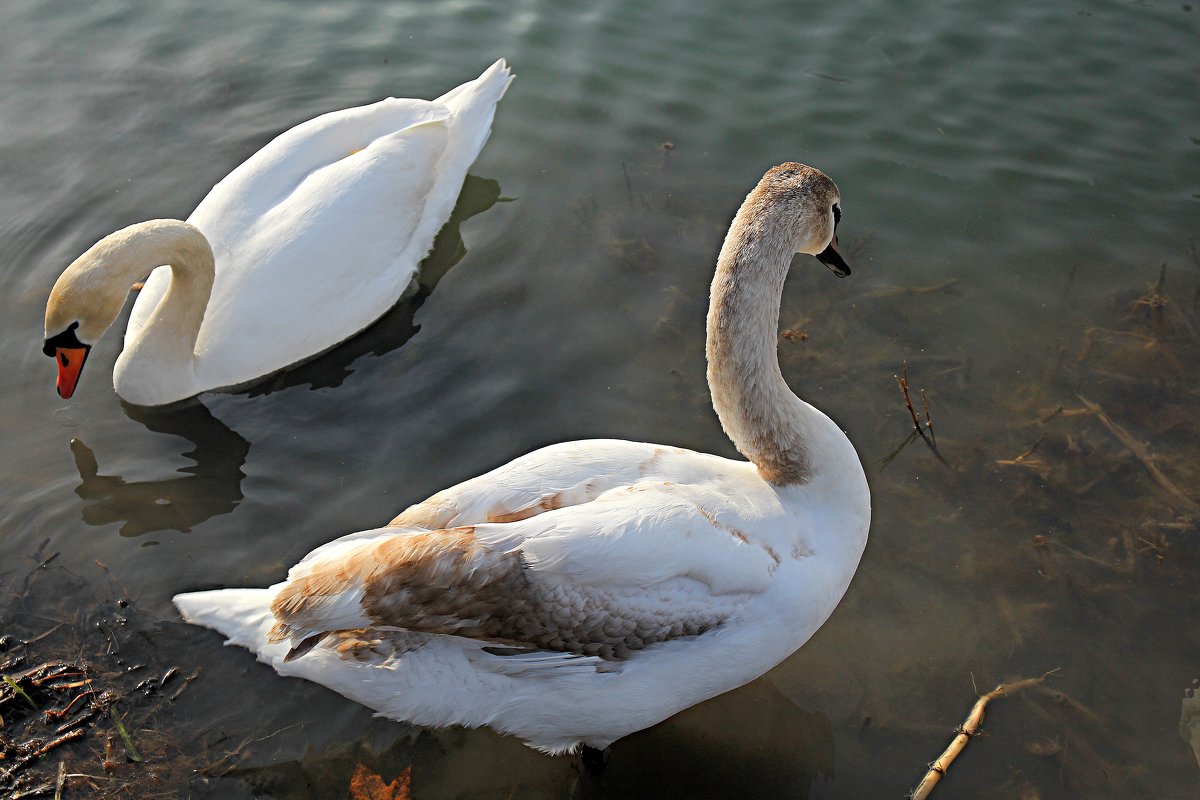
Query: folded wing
(638, 565)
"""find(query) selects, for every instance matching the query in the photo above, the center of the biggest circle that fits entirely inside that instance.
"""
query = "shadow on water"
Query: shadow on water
(209, 488)
(395, 327)
(751, 742)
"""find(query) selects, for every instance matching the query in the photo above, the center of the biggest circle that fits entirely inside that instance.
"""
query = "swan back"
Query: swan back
(322, 231)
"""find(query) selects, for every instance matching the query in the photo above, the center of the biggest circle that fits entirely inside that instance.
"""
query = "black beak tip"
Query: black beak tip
(831, 258)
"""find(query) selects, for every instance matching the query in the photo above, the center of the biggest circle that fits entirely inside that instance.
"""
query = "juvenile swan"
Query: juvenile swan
(591, 589)
(301, 247)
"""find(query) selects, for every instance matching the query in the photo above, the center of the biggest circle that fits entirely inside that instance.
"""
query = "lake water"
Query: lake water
(1014, 176)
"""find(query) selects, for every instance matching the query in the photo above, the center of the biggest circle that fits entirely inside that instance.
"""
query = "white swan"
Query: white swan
(590, 589)
(304, 245)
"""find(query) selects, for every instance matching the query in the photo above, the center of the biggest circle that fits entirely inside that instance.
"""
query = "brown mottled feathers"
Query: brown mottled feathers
(445, 582)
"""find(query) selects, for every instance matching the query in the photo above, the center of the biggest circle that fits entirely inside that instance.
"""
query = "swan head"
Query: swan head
(69, 354)
(83, 304)
(81, 308)
(808, 205)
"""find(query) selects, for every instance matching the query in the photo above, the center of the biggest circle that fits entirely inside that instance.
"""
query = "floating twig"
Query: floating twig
(928, 418)
(42, 635)
(1060, 411)
(925, 430)
(1028, 460)
(1066, 701)
(67, 737)
(969, 728)
(55, 715)
(79, 721)
(186, 683)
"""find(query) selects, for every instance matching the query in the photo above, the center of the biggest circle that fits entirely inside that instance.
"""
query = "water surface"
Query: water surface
(1013, 177)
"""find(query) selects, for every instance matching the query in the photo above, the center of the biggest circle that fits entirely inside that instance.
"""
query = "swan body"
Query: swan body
(590, 589)
(305, 244)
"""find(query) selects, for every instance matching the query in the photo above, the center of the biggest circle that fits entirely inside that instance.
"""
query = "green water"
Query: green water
(1031, 165)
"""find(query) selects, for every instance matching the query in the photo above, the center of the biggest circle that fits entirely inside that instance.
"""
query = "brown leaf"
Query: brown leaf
(367, 785)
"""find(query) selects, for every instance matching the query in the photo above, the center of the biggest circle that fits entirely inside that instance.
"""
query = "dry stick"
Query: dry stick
(969, 728)
(902, 382)
(43, 635)
(1025, 459)
(70, 737)
(1139, 451)
(29, 758)
(186, 683)
(928, 417)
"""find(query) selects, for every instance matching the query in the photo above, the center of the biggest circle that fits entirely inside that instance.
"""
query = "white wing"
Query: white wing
(322, 231)
(621, 568)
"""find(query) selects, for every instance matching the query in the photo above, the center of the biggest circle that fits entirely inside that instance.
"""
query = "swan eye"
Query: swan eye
(837, 214)
(65, 339)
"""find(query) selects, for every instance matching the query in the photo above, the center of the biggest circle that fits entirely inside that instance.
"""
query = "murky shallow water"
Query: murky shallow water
(1013, 178)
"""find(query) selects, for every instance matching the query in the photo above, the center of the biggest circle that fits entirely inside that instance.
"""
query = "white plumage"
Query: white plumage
(312, 239)
(590, 589)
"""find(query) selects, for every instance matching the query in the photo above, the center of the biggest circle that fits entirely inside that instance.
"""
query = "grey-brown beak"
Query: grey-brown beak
(832, 258)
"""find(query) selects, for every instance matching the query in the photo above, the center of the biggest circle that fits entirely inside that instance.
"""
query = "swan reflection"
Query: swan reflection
(211, 487)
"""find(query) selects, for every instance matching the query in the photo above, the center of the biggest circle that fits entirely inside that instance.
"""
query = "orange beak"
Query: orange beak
(70, 364)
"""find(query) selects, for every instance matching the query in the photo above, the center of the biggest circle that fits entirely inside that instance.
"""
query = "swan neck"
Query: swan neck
(162, 352)
(767, 423)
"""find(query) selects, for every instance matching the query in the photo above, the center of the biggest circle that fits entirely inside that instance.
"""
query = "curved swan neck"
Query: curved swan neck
(165, 345)
(186, 251)
(767, 423)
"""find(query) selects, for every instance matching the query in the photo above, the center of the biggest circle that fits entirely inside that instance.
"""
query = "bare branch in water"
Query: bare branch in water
(922, 429)
(970, 727)
(1143, 455)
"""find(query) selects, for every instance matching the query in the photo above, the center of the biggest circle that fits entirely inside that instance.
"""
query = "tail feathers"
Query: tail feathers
(486, 90)
(243, 616)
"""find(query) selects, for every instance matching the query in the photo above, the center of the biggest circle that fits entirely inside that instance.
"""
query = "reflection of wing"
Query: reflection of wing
(580, 548)
(212, 486)
(477, 195)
